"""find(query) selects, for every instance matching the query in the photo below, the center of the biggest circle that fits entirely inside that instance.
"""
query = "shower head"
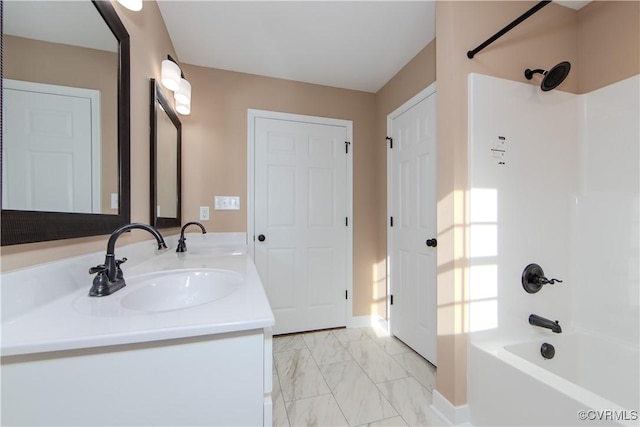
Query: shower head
(553, 77)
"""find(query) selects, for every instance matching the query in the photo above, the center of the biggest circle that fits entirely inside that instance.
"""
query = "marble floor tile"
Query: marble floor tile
(389, 422)
(374, 361)
(316, 411)
(419, 368)
(352, 334)
(288, 343)
(280, 418)
(358, 397)
(375, 380)
(299, 375)
(412, 401)
(392, 345)
(325, 348)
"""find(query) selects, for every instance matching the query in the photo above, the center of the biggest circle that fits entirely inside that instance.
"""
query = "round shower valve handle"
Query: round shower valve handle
(533, 279)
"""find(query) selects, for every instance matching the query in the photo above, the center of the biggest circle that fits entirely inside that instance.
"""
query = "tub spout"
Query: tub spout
(536, 320)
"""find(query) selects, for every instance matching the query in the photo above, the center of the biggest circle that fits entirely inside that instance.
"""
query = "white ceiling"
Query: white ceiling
(75, 23)
(573, 4)
(356, 45)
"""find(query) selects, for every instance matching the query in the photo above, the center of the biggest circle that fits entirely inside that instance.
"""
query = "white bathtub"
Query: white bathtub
(589, 377)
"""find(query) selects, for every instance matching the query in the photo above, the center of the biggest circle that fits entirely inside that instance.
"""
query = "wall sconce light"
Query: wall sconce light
(135, 5)
(173, 79)
(183, 94)
(184, 109)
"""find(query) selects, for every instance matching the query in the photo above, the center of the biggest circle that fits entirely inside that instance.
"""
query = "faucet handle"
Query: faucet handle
(120, 261)
(544, 281)
(98, 269)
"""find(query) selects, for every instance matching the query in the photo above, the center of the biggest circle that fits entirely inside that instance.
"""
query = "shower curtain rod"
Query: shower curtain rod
(514, 23)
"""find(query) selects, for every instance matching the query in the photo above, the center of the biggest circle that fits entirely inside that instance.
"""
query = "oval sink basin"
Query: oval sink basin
(179, 290)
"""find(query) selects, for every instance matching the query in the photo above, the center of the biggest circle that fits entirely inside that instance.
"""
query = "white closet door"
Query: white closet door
(299, 221)
(412, 237)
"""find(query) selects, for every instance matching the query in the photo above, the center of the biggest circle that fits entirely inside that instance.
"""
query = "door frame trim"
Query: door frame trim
(252, 115)
(415, 100)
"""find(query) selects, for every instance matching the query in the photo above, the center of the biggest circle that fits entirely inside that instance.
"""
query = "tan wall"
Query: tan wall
(215, 140)
(552, 35)
(214, 148)
(419, 73)
(608, 43)
(542, 41)
(150, 44)
(64, 65)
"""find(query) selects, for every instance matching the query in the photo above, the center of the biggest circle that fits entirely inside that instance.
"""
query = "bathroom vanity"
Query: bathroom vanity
(164, 350)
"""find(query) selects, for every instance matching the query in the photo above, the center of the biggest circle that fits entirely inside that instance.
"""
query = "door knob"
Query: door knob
(261, 237)
(432, 242)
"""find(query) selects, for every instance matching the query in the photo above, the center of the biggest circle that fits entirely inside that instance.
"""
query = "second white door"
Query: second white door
(412, 237)
(301, 221)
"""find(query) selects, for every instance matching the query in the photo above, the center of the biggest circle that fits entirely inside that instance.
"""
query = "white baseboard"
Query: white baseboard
(372, 320)
(452, 415)
(359, 322)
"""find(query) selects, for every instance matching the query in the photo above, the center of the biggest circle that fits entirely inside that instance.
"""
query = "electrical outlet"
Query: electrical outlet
(204, 213)
(114, 201)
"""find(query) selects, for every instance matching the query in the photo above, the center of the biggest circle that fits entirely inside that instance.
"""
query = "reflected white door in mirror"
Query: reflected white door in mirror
(51, 148)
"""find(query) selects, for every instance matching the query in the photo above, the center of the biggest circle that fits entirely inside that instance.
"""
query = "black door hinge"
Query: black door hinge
(391, 222)
(346, 294)
(346, 221)
(390, 141)
(391, 298)
(346, 146)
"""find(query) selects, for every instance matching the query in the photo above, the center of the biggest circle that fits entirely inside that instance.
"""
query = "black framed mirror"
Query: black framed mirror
(110, 208)
(166, 161)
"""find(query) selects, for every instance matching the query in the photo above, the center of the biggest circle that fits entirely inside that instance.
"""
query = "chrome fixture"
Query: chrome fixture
(110, 277)
(536, 320)
(533, 279)
(182, 245)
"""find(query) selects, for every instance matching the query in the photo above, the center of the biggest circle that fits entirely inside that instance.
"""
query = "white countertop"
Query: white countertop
(60, 325)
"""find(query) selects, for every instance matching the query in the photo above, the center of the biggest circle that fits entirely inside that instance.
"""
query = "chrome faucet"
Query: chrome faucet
(110, 277)
(182, 245)
(536, 320)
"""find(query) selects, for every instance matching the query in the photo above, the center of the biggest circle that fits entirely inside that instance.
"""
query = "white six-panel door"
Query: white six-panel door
(412, 204)
(300, 210)
(51, 148)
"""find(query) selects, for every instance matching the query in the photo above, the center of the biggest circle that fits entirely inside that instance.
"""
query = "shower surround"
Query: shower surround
(554, 180)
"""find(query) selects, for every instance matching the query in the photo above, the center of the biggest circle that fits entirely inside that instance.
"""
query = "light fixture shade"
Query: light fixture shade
(183, 94)
(183, 108)
(135, 5)
(170, 75)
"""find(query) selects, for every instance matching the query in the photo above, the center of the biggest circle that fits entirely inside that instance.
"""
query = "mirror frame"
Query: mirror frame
(20, 227)
(158, 98)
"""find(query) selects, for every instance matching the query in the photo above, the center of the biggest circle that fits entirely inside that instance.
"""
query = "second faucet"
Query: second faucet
(182, 245)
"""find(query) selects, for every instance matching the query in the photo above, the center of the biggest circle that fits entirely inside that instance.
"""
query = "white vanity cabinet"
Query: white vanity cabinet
(209, 380)
(69, 359)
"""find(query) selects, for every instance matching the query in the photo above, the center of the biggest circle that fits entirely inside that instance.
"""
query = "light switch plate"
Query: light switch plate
(227, 203)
